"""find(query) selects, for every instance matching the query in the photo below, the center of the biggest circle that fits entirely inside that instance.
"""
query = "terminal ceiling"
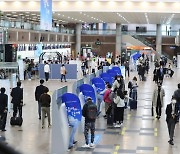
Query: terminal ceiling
(98, 17)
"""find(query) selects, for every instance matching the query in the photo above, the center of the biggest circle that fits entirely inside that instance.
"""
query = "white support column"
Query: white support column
(158, 40)
(118, 39)
(78, 38)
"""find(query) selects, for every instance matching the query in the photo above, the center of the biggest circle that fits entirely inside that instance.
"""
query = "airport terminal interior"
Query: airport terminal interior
(121, 57)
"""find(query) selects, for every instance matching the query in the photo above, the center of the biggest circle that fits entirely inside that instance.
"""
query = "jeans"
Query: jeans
(46, 110)
(39, 109)
(74, 124)
(99, 101)
(63, 76)
(17, 107)
(29, 74)
(91, 126)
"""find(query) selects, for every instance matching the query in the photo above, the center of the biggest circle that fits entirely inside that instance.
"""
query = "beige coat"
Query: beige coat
(155, 96)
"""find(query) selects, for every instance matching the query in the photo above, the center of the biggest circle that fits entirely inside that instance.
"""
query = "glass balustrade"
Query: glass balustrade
(113, 32)
(30, 26)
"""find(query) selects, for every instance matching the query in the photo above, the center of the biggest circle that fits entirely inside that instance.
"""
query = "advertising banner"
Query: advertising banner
(88, 91)
(73, 106)
(99, 84)
(46, 14)
(38, 50)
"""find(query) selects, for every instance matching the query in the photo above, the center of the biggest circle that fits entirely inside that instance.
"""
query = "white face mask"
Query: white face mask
(118, 79)
(173, 101)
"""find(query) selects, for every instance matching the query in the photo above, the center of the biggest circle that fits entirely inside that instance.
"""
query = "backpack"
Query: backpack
(111, 95)
(130, 85)
(91, 111)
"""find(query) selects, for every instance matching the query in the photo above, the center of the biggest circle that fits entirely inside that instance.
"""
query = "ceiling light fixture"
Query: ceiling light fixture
(123, 17)
(147, 20)
(170, 19)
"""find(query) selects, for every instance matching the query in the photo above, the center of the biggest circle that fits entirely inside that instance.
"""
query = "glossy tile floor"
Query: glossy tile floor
(140, 133)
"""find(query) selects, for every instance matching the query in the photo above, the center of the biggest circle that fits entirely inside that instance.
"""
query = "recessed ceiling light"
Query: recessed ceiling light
(68, 17)
(58, 14)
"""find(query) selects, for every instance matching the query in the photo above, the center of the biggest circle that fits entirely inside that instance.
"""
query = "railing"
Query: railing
(30, 26)
(113, 32)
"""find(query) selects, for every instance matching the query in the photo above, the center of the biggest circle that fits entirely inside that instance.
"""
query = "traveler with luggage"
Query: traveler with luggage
(38, 92)
(107, 100)
(90, 113)
(45, 100)
(3, 109)
(176, 95)
(158, 99)
(17, 99)
(132, 85)
(119, 110)
(171, 118)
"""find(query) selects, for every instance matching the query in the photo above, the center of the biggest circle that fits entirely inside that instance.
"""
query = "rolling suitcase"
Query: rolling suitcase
(16, 121)
(110, 119)
(172, 73)
(133, 104)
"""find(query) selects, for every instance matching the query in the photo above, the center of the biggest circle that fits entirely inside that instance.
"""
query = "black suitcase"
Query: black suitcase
(133, 104)
(110, 119)
(172, 73)
(16, 121)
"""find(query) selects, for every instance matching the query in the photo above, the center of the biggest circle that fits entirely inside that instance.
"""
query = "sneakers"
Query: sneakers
(86, 146)
(117, 125)
(171, 142)
(75, 142)
(49, 126)
(70, 148)
(92, 145)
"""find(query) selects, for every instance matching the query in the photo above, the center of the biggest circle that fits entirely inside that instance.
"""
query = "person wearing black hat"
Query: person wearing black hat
(38, 92)
(171, 118)
(3, 108)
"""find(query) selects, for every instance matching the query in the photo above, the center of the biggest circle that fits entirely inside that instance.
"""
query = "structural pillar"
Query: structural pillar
(158, 40)
(118, 39)
(78, 39)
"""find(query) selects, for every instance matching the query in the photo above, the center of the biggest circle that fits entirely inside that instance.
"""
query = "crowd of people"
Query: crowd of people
(115, 97)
